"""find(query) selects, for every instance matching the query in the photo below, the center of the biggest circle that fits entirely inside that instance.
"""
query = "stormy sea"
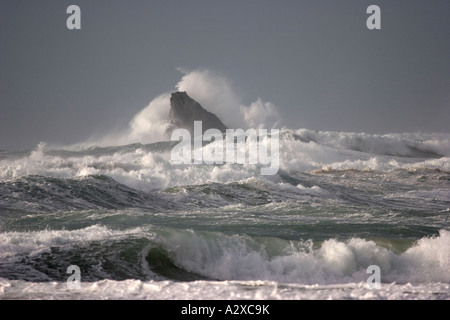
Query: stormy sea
(346, 216)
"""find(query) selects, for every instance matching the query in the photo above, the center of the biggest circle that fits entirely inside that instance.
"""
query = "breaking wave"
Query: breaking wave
(151, 253)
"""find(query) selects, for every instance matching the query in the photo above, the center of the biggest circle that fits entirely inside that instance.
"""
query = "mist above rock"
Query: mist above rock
(184, 111)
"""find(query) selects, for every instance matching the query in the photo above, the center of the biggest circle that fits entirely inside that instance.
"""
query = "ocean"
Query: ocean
(136, 226)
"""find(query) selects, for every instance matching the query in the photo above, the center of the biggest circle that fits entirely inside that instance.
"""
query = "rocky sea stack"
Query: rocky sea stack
(184, 111)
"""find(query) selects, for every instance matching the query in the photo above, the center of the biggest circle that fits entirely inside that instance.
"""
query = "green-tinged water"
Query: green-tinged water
(128, 219)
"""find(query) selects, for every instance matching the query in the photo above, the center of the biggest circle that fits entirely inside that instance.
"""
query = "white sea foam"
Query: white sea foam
(213, 91)
(236, 257)
(144, 169)
(34, 242)
(242, 258)
(335, 269)
(218, 290)
(300, 149)
(400, 144)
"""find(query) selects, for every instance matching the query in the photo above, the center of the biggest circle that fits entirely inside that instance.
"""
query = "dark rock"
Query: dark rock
(184, 111)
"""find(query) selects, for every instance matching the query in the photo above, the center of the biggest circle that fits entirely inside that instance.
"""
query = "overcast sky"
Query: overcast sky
(315, 60)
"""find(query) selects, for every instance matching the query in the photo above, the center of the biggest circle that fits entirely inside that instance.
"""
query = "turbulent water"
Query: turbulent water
(140, 227)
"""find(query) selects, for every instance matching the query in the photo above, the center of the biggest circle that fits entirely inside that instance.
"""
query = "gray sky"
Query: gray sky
(315, 60)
